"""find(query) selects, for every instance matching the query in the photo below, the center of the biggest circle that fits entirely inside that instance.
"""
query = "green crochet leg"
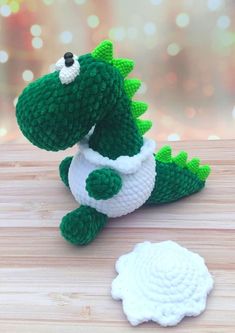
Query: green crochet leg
(176, 178)
(81, 226)
(64, 170)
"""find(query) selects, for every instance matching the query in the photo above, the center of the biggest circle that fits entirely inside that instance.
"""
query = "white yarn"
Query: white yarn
(162, 282)
(60, 64)
(137, 174)
(67, 74)
(125, 164)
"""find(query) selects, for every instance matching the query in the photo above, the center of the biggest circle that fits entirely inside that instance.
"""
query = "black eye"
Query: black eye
(68, 55)
(69, 62)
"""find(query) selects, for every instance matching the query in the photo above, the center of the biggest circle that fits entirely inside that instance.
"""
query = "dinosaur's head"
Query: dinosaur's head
(59, 109)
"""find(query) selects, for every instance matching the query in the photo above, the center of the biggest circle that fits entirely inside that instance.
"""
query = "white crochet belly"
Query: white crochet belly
(136, 187)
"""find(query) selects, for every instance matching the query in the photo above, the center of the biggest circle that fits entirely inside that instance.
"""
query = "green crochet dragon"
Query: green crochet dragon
(88, 100)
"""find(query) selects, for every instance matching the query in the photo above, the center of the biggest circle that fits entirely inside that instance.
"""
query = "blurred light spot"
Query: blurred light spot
(3, 56)
(66, 37)
(149, 28)
(36, 30)
(143, 88)
(213, 137)
(3, 131)
(214, 4)
(233, 112)
(190, 112)
(132, 33)
(52, 68)
(223, 22)
(14, 6)
(173, 49)
(15, 101)
(151, 43)
(5, 10)
(167, 121)
(182, 20)
(156, 2)
(227, 39)
(93, 21)
(37, 42)
(208, 90)
(190, 85)
(27, 75)
(173, 137)
(80, 2)
(117, 34)
(48, 2)
(171, 78)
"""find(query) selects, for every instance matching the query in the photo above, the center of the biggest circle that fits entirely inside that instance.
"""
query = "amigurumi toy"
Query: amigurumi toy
(88, 100)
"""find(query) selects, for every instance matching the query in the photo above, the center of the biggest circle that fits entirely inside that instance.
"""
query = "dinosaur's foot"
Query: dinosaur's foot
(81, 226)
(64, 170)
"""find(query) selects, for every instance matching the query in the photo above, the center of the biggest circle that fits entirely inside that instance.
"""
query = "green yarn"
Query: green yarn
(172, 183)
(143, 125)
(138, 108)
(82, 225)
(204, 172)
(181, 159)
(104, 51)
(103, 183)
(117, 134)
(164, 154)
(55, 114)
(175, 177)
(125, 66)
(193, 165)
(131, 86)
(64, 169)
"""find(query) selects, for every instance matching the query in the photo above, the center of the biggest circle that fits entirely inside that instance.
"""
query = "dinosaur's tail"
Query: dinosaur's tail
(176, 178)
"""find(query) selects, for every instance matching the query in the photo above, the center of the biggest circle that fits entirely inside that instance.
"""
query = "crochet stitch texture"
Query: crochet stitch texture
(163, 282)
(113, 173)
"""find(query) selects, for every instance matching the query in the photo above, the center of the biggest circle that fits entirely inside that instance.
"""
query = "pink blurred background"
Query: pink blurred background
(184, 52)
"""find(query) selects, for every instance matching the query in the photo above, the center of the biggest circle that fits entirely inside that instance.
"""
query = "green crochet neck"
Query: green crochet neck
(117, 134)
(55, 115)
(120, 132)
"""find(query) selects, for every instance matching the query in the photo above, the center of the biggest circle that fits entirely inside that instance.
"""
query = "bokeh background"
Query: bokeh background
(184, 52)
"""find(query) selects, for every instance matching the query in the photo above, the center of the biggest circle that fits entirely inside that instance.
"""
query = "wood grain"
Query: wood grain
(48, 285)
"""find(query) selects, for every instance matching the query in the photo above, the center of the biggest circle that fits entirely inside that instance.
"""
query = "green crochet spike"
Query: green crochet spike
(138, 108)
(131, 86)
(125, 66)
(181, 159)
(203, 172)
(164, 154)
(143, 125)
(193, 165)
(104, 51)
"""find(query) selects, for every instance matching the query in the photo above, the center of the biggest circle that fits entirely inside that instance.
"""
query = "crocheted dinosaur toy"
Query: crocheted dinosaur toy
(88, 100)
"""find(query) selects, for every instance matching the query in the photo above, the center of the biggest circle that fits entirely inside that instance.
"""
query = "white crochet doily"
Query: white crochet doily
(162, 282)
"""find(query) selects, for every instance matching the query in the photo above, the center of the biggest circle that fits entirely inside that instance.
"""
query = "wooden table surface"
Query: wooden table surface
(48, 285)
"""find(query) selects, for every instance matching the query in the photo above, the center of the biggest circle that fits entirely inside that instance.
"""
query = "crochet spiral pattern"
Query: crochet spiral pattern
(89, 101)
(163, 282)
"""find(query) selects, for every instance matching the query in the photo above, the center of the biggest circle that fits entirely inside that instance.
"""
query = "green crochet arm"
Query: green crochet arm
(103, 183)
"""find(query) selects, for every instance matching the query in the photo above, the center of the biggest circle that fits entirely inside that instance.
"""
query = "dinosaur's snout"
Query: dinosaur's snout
(46, 117)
